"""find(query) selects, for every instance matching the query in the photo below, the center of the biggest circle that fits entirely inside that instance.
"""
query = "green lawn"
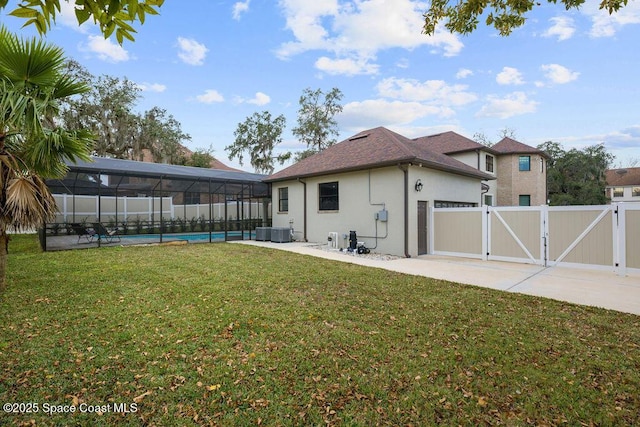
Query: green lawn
(229, 334)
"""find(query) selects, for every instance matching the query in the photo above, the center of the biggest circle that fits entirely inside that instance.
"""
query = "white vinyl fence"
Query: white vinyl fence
(86, 208)
(606, 236)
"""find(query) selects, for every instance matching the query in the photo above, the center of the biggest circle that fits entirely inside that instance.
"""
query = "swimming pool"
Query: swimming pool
(218, 235)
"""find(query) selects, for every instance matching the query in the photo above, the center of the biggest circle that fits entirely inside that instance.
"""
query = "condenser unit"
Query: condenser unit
(263, 234)
(280, 234)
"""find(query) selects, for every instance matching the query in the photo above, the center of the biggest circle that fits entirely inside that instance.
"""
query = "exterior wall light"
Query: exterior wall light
(418, 185)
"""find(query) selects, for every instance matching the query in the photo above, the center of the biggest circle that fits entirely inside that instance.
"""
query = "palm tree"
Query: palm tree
(32, 146)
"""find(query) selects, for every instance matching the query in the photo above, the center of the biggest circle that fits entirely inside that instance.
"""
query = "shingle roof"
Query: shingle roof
(511, 146)
(373, 148)
(622, 177)
(451, 142)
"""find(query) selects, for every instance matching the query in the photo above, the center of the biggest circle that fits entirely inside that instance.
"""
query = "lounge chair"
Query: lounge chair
(83, 232)
(109, 236)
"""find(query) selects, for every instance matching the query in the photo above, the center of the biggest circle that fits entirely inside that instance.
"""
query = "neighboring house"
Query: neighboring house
(623, 185)
(519, 170)
(521, 174)
(377, 183)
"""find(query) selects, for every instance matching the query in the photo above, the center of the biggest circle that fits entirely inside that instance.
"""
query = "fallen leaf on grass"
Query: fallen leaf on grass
(139, 398)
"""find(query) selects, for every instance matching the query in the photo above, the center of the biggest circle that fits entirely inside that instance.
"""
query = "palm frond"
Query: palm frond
(29, 63)
(29, 202)
(46, 155)
(13, 108)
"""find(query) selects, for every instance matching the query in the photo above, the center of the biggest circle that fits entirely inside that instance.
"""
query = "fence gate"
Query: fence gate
(582, 235)
(516, 234)
(604, 236)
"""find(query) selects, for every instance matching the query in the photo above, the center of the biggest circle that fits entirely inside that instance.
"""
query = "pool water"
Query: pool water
(189, 236)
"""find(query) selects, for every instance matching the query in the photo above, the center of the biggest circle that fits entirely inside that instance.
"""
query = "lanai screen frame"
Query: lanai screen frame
(161, 181)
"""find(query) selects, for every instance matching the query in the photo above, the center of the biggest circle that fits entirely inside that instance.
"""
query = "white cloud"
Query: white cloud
(191, 52)
(625, 138)
(346, 66)
(511, 105)
(509, 76)
(239, 8)
(358, 30)
(605, 24)
(558, 74)
(105, 49)
(463, 73)
(563, 27)
(403, 63)
(379, 112)
(210, 96)
(435, 92)
(151, 87)
(260, 99)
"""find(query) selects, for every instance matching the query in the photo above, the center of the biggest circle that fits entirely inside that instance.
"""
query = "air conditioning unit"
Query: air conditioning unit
(280, 234)
(263, 234)
(332, 240)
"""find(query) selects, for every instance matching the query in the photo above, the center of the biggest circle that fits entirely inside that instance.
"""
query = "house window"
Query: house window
(446, 204)
(283, 199)
(488, 163)
(618, 191)
(524, 163)
(635, 192)
(488, 200)
(328, 196)
(524, 200)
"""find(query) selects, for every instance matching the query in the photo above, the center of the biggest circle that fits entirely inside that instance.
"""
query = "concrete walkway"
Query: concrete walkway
(580, 286)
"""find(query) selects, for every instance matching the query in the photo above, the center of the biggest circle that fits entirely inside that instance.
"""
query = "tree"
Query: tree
(483, 139)
(107, 110)
(505, 15)
(109, 15)
(32, 146)
(316, 123)
(258, 136)
(576, 177)
(201, 158)
(162, 135)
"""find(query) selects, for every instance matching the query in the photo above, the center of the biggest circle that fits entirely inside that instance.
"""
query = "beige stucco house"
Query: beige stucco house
(377, 183)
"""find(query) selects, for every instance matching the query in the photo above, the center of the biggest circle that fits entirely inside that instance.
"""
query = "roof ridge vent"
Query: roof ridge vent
(362, 136)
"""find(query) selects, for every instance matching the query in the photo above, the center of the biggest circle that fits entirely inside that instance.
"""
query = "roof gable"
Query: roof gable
(450, 143)
(623, 177)
(372, 148)
(511, 146)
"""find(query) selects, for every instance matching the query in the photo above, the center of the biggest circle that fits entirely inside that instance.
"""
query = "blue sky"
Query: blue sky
(569, 77)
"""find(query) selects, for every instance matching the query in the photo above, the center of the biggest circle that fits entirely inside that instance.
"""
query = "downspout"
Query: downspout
(405, 170)
(304, 209)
